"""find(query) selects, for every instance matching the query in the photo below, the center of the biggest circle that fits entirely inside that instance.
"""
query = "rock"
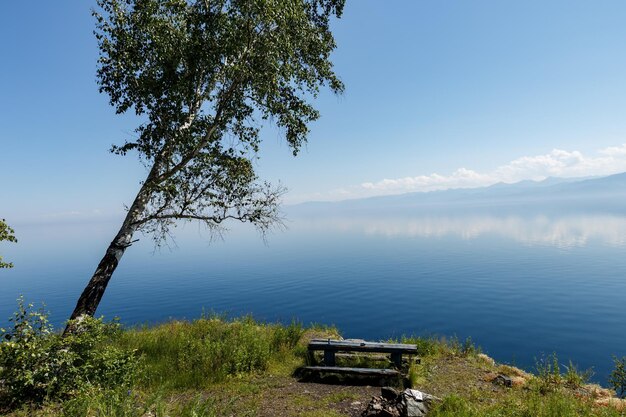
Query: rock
(380, 407)
(389, 393)
(409, 403)
(416, 403)
(414, 408)
(503, 380)
(515, 380)
(420, 396)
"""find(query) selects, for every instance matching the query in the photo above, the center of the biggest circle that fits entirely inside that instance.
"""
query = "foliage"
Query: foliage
(414, 376)
(125, 403)
(37, 364)
(426, 346)
(550, 379)
(204, 75)
(286, 336)
(6, 234)
(25, 363)
(617, 378)
(574, 377)
(169, 386)
(96, 401)
(548, 374)
(468, 348)
(433, 345)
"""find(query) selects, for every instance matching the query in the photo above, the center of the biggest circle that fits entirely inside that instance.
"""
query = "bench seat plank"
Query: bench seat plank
(336, 345)
(355, 371)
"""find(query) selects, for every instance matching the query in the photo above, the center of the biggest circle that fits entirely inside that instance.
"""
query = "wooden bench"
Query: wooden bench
(331, 347)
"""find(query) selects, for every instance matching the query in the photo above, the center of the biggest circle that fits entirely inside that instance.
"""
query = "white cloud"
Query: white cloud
(614, 151)
(460, 178)
(557, 163)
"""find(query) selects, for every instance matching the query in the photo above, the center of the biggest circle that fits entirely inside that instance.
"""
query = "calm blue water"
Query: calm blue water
(520, 285)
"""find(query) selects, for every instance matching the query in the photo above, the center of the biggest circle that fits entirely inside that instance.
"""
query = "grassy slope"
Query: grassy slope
(213, 367)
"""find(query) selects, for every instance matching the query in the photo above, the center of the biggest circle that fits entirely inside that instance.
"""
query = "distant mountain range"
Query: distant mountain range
(606, 193)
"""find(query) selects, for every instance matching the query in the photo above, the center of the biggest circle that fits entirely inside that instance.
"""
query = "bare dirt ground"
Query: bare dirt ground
(288, 397)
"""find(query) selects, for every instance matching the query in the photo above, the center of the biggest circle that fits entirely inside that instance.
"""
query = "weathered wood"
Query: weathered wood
(362, 355)
(329, 357)
(331, 347)
(396, 358)
(354, 371)
(370, 356)
(336, 345)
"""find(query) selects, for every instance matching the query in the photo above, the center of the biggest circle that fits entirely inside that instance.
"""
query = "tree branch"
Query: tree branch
(196, 150)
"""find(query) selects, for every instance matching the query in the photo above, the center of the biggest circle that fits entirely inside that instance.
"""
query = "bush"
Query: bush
(548, 374)
(618, 376)
(26, 367)
(575, 378)
(90, 357)
(287, 337)
(37, 364)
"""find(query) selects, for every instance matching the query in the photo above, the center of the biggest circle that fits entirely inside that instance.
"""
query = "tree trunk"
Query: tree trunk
(92, 294)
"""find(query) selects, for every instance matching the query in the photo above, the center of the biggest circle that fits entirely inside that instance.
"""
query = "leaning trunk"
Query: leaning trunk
(92, 294)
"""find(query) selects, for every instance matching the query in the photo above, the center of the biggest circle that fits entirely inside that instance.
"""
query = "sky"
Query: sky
(438, 95)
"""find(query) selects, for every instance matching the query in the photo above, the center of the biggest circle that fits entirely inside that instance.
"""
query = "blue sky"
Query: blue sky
(438, 95)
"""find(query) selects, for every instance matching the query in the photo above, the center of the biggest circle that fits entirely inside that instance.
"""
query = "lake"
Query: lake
(521, 285)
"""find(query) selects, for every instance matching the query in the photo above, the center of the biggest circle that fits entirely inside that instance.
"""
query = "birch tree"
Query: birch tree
(204, 75)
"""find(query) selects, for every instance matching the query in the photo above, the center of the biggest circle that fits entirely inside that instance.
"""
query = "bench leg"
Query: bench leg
(396, 358)
(329, 357)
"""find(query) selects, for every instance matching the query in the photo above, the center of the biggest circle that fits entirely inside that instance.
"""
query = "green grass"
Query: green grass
(213, 367)
(206, 351)
(525, 404)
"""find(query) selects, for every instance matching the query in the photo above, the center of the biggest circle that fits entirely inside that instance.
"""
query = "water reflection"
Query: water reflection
(558, 231)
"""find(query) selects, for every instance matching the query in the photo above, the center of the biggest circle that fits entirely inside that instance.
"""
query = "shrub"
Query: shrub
(90, 356)
(548, 374)
(37, 364)
(575, 378)
(469, 348)
(617, 378)
(287, 337)
(26, 367)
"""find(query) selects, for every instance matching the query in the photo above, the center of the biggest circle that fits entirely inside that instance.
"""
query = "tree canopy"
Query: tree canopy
(203, 75)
